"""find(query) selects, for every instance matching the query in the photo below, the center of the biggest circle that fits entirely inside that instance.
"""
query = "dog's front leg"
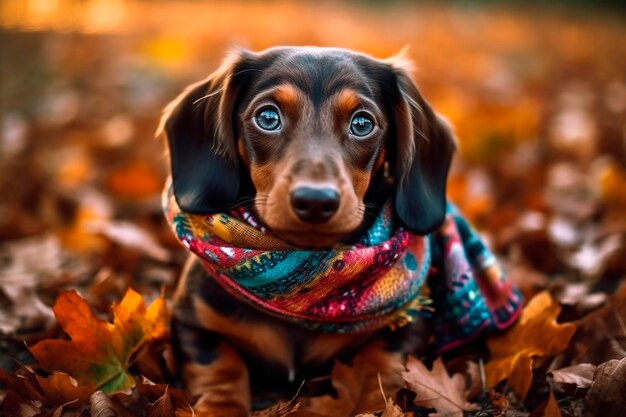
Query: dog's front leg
(213, 372)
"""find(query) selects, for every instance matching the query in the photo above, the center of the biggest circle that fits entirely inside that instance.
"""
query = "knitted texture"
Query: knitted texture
(388, 278)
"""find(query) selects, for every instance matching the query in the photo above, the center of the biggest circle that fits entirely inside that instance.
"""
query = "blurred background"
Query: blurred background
(536, 92)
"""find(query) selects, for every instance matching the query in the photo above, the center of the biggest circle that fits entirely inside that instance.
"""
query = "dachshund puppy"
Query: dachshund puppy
(311, 143)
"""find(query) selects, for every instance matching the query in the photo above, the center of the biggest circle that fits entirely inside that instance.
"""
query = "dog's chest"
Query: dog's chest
(260, 338)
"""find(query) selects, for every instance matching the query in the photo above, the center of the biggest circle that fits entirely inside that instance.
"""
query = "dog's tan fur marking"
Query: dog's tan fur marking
(221, 387)
(328, 345)
(288, 97)
(360, 182)
(252, 337)
(263, 177)
(347, 101)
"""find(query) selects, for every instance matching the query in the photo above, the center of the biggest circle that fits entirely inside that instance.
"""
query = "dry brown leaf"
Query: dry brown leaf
(101, 405)
(577, 295)
(436, 389)
(169, 401)
(22, 384)
(54, 392)
(25, 266)
(357, 386)
(536, 334)
(600, 334)
(391, 410)
(13, 405)
(476, 382)
(61, 389)
(280, 409)
(161, 407)
(548, 408)
(580, 375)
(499, 403)
(25, 312)
(607, 395)
(131, 236)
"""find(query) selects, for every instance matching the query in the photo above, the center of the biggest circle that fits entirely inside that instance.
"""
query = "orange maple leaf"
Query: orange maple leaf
(437, 389)
(99, 353)
(536, 334)
(358, 386)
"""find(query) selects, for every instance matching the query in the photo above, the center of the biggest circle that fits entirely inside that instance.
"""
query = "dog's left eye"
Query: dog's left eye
(268, 119)
(361, 125)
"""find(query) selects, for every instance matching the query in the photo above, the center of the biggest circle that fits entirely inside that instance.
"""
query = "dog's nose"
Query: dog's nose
(314, 205)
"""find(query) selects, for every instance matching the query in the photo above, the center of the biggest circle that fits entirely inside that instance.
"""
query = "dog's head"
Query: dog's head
(305, 135)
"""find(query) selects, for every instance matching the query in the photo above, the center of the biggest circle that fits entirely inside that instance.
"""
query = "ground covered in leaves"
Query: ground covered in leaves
(87, 264)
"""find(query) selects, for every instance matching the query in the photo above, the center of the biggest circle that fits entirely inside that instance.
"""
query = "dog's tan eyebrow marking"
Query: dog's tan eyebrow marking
(347, 101)
(287, 96)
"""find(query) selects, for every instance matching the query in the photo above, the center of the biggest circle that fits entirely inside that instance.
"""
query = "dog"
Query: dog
(314, 141)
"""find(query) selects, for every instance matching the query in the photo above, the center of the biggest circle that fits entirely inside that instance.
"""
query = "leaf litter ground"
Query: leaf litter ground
(538, 99)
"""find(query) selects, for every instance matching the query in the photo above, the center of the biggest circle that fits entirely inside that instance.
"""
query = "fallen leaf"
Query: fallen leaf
(26, 265)
(76, 236)
(54, 392)
(529, 280)
(611, 184)
(578, 295)
(536, 334)
(548, 408)
(99, 353)
(60, 389)
(280, 409)
(499, 403)
(592, 257)
(358, 388)
(135, 181)
(580, 375)
(25, 312)
(170, 401)
(391, 410)
(161, 407)
(607, 395)
(21, 384)
(12, 405)
(129, 235)
(474, 372)
(28, 262)
(101, 405)
(436, 389)
(600, 334)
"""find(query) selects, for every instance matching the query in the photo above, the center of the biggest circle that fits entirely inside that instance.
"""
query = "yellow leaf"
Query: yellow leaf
(536, 334)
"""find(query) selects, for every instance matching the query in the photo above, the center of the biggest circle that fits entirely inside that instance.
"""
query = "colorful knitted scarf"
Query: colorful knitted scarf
(389, 277)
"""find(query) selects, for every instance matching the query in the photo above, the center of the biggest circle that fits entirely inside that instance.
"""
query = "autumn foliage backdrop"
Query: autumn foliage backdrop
(537, 95)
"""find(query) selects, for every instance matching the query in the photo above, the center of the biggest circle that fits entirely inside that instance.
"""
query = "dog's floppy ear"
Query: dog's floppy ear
(200, 129)
(423, 150)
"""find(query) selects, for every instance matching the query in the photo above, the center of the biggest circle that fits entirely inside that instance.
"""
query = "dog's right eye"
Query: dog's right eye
(268, 118)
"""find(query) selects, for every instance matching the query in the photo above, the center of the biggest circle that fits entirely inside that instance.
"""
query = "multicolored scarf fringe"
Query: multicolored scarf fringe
(386, 279)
